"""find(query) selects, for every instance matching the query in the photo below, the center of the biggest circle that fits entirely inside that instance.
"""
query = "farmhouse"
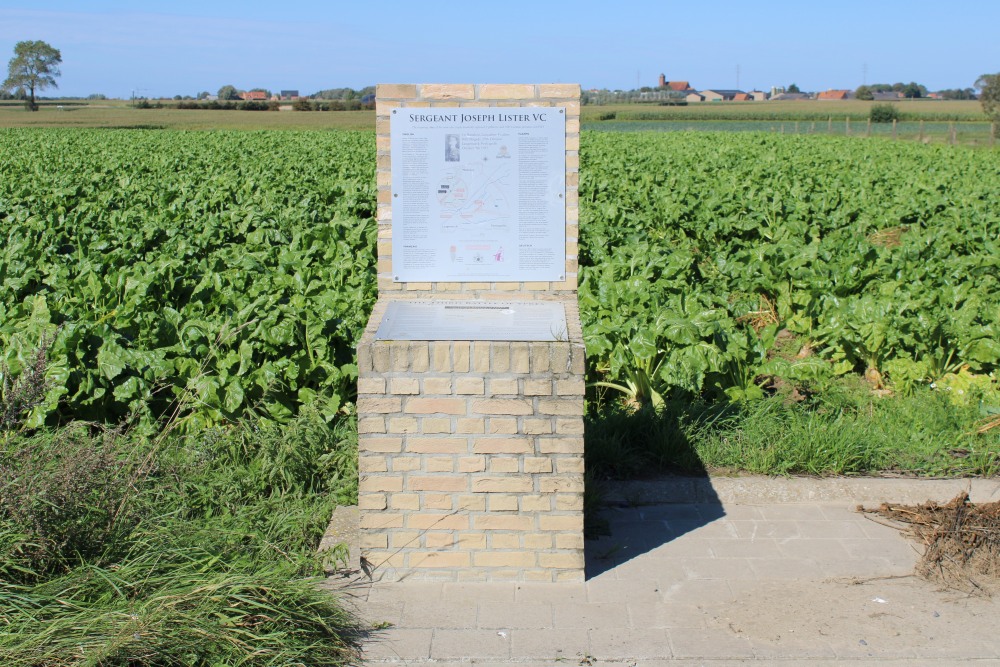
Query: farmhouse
(254, 95)
(289, 94)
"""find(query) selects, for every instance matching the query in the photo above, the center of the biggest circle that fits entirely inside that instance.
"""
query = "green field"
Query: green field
(179, 312)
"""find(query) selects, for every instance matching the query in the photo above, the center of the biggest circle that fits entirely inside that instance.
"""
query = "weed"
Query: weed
(20, 395)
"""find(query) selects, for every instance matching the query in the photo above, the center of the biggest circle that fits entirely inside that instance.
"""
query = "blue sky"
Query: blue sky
(160, 48)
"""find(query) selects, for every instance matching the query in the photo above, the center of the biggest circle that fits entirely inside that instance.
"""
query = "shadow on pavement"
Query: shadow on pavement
(625, 519)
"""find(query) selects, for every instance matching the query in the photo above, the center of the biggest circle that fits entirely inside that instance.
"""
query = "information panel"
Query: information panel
(473, 320)
(478, 194)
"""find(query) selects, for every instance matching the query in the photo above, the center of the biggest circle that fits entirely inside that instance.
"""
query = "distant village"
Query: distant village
(682, 91)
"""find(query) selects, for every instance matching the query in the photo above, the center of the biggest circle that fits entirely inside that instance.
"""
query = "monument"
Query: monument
(471, 369)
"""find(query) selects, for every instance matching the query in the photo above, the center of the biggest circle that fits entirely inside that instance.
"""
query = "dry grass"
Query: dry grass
(961, 541)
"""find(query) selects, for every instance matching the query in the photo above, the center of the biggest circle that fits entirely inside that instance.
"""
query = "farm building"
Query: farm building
(695, 97)
(254, 95)
(791, 96)
(758, 95)
(721, 95)
(289, 94)
(835, 95)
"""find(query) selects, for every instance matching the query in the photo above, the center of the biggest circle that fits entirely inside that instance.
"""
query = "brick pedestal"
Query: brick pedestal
(471, 457)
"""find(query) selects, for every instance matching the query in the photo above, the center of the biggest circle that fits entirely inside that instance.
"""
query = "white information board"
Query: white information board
(473, 320)
(478, 194)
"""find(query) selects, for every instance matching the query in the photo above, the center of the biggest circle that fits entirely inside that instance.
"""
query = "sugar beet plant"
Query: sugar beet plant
(226, 273)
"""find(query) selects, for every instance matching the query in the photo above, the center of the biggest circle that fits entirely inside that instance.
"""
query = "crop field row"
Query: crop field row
(233, 271)
(965, 133)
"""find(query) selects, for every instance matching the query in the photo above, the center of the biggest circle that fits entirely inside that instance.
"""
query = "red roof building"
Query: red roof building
(834, 95)
(679, 86)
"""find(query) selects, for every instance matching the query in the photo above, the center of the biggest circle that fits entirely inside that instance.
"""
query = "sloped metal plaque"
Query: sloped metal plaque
(473, 320)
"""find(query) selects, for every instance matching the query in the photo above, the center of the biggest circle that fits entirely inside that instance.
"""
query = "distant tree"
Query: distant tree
(989, 97)
(914, 90)
(204, 95)
(97, 96)
(794, 89)
(864, 93)
(35, 66)
(229, 93)
(958, 94)
(261, 90)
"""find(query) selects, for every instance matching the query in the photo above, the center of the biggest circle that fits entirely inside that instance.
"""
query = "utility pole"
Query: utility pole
(737, 77)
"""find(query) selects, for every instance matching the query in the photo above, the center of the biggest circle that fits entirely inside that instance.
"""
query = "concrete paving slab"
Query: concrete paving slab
(716, 643)
(470, 643)
(587, 616)
(550, 593)
(637, 643)
(520, 615)
(441, 614)
(667, 615)
(553, 644)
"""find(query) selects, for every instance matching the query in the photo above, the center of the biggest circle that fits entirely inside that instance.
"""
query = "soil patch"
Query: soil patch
(961, 541)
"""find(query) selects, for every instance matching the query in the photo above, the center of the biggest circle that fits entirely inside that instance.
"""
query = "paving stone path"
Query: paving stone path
(783, 571)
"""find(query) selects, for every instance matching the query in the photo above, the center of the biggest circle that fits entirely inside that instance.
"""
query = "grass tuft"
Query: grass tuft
(844, 433)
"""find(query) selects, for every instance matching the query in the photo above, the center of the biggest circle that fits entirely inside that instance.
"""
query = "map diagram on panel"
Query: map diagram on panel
(477, 195)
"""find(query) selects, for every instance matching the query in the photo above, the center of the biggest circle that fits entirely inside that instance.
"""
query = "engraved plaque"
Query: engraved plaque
(473, 320)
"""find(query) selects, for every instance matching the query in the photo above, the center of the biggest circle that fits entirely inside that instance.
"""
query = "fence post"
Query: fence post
(812, 128)
(796, 127)
(868, 130)
(921, 130)
(951, 128)
(993, 133)
(847, 127)
(894, 137)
